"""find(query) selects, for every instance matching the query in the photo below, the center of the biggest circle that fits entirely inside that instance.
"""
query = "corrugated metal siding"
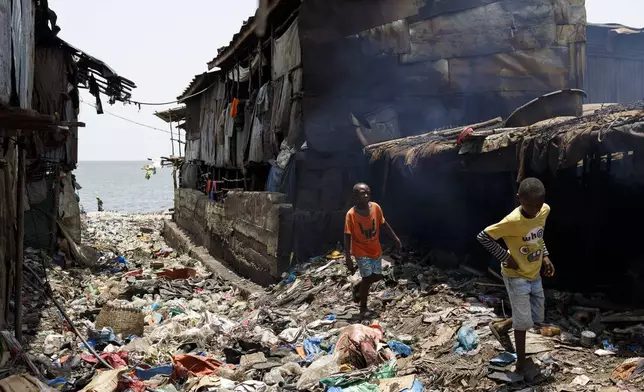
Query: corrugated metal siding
(614, 66)
(614, 80)
(5, 51)
(22, 27)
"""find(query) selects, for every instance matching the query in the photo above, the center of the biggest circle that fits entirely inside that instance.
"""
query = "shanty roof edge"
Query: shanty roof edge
(173, 115)
(199, 82)
(252, 25)
(597, 126)
(116, 87)
(618, 28)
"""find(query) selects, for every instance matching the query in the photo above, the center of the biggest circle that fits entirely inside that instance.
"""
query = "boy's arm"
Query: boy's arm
(493, 247)
(392, 234)
(497, 250)
(548, 267)
(347, 253)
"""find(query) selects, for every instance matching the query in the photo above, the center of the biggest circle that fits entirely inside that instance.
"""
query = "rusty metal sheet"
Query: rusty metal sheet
(389, 38)
(469, 43)
(542, 70)
(556, 104)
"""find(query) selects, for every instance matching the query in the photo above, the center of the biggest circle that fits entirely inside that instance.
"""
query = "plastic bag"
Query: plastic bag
(400, 348)
(319, 369)
(467, 340)
(312, 347)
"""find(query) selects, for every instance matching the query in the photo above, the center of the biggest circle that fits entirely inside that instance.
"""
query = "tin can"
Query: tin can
(588, 338)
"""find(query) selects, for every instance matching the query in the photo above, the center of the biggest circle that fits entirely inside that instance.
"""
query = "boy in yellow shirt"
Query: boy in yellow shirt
(522, 263)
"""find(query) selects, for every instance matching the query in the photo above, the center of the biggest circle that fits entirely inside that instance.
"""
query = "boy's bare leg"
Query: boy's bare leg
(365, 284)
(519, 342)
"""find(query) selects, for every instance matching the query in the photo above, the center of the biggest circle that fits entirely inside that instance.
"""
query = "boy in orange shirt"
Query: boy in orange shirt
(362, 240)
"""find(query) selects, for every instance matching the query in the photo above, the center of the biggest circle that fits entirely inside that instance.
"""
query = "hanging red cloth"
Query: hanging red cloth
(233, 108)
(208, 186)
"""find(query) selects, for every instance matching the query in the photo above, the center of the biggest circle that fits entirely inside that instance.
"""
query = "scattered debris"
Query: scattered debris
(170, 325)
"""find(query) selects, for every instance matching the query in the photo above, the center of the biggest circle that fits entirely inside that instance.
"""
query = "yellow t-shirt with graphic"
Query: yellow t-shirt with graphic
(524, 239)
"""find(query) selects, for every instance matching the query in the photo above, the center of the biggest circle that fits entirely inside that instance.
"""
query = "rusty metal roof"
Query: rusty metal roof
(198, 83)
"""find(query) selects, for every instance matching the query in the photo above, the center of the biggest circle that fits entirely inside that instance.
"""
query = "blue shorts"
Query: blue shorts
(527, 300)
(369, 266)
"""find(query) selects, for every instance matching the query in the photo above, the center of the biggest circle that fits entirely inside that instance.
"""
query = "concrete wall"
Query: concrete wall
(251, 232)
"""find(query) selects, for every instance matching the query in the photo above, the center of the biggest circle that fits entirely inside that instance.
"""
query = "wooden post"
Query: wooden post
(20, 238)
(171, 134)
(179, 143)
(54, 216)
(174, 168)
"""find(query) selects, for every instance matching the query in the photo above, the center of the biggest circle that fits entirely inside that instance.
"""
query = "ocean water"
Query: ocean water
(122, 187)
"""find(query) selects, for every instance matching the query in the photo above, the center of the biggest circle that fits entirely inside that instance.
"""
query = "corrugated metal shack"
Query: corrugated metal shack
(410, 66)
(615, 64)
(401, 67)
(39, 103)
(464, 179)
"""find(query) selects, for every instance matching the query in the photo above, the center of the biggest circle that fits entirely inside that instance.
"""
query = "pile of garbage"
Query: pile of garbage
(146, 318)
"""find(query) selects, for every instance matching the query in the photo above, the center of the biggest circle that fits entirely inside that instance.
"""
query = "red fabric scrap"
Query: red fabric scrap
(130, 385)
(133, 273)
(466, 132)
(116, 360)
(180, 273)
(193, 365)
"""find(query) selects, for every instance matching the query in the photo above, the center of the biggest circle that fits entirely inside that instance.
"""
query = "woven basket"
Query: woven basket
(125, 321)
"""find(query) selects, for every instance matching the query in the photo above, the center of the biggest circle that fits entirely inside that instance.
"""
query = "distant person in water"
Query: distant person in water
(362, 241)
(99, 203)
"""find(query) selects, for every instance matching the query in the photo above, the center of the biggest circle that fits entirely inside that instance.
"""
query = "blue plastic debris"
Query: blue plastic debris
(400, 348)
(146, 374)
(330, 317)
(466, 340)
(121, 260)
(312, 347)
(415, 387)
(291, 278)
(105, 335)
(608, 346)
(58, 383)
(504, 359)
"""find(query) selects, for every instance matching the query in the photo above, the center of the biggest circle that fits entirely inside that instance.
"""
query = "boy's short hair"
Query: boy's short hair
(359, 185)
(532, 188)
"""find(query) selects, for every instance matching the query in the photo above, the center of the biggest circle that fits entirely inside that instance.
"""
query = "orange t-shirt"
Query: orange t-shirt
(365, 231)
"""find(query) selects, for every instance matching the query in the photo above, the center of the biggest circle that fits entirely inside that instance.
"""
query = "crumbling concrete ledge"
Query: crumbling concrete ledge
(180, 241)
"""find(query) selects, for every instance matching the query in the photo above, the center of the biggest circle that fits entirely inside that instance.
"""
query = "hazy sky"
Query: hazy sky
(162, 44)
